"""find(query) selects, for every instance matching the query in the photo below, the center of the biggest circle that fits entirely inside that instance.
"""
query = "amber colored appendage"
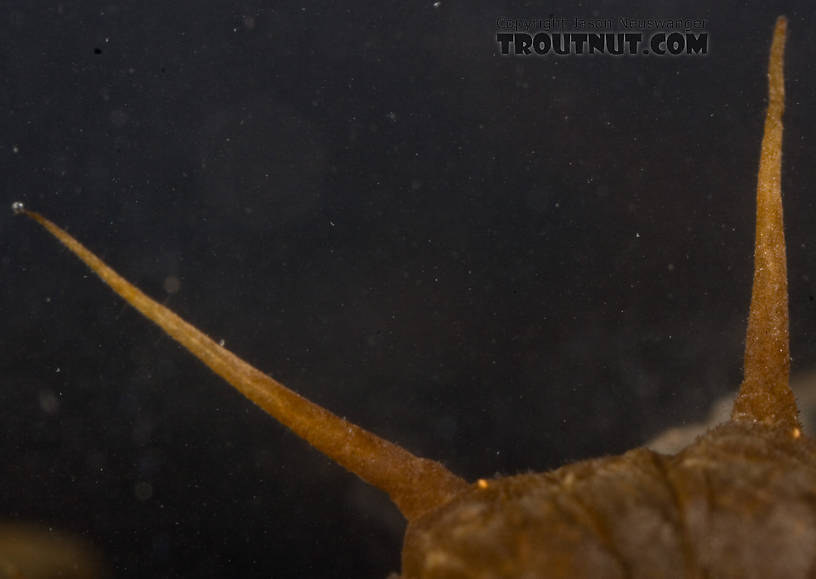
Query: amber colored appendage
(416, 485)
(765, 395)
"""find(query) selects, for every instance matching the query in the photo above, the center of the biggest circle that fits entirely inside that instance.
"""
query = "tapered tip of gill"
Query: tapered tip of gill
(415, 484)
(765, 395)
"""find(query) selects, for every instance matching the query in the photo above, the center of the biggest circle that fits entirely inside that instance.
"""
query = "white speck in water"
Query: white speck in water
(221, 342)
(15, 149)
(172, 284)
(143, 490)
(49, 403)
(17, 207)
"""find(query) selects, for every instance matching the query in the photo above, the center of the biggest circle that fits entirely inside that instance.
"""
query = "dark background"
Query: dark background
(501, 263)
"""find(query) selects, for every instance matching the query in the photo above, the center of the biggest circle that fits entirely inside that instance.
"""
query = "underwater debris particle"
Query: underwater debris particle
(17, 207)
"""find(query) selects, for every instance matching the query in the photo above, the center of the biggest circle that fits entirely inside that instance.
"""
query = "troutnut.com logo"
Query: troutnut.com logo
(602, 36)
